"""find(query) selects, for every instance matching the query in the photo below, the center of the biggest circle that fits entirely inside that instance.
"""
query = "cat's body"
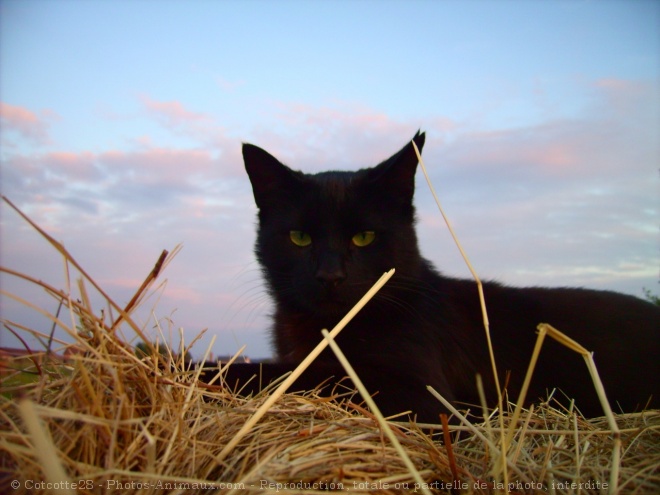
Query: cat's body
(324, 239)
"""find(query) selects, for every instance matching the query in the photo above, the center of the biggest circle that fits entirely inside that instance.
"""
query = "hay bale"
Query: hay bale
(117, 422)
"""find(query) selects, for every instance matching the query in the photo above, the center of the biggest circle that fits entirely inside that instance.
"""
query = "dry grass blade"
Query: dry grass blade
(304, 365)
(387, 429)
(482, 299)
(145, 285)
(40, 437)
(600, 390)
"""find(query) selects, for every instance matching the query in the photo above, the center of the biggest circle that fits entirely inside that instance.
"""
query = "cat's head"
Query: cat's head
(325, 238)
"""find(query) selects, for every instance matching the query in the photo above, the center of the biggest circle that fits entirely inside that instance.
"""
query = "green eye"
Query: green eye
(300, 238)
(365, 238)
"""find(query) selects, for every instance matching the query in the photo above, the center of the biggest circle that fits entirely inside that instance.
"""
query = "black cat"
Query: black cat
(324, 239)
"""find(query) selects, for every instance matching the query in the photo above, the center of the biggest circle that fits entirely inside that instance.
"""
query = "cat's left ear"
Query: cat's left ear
(271, 180)
(397, 173)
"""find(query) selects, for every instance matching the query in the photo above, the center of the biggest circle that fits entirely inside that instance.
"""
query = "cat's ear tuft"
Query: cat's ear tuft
(269, 177)
(397, 173)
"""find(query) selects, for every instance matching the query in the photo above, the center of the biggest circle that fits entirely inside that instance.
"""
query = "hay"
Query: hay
(106, 420)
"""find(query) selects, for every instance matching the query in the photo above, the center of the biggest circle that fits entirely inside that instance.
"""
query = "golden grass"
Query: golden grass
(108, 420)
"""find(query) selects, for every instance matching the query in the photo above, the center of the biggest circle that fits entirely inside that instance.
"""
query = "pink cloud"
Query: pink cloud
(26, 123)
(74, 166)
(626, 85)
(200, 127)
(613, 136)
(158, 164)
(548, 149)
(227, 85)
(153, 166)
(636, 101)
(178, 294)
(342, 135)
(172, 113)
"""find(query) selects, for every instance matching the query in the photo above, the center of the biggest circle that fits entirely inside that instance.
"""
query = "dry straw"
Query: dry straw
(484, 313)
(108, 420)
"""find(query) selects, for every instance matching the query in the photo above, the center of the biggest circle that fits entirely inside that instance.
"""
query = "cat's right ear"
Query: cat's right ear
(271, 179)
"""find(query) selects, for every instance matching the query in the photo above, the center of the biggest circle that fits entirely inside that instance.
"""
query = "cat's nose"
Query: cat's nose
(331, 277)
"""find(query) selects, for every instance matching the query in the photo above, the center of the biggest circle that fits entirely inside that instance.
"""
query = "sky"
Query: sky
(122, 122)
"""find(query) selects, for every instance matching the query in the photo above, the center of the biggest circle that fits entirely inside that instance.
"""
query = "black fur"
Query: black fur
(424, 328)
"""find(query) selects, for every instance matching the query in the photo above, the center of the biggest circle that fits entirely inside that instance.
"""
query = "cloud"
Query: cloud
(200, 129)
(568, 201)
(172, 113)
(615, 137)
(550, 203)
(617, 97)
(157, 167)
(122, 188)
(344, 135)
(227, 85)
(27, 124)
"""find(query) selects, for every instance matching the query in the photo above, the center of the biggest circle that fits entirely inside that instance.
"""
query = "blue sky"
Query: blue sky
(122, 124)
